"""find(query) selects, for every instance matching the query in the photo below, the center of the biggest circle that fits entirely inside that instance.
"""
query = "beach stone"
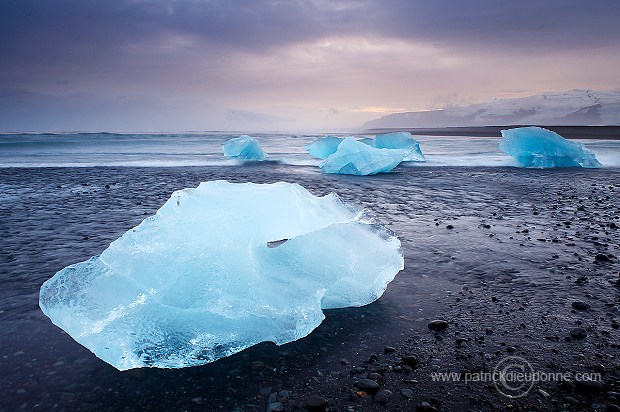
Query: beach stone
(449, 227)
(374, 376)
(410, 360)
(407, 393)
(580, 305)
(372, 358)
(437, 324)
(589, 386)
(316, 403)
(383, 396)
(578, 333)
(612, 408)
(425, 407)
(275, 407)
(368, 385)
(389, 349)
(600, 257)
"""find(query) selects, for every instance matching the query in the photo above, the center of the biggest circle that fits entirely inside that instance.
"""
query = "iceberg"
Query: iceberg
(402, 141)
(244, 148)
(541, 148)
(219, 268)
(323, 147)
(353, 157)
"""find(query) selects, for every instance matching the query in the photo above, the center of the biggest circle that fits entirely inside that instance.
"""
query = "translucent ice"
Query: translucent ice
(324, 146)
(220, 268)
(542, 148)
(244, 148)
(356, 158)
(398, 140)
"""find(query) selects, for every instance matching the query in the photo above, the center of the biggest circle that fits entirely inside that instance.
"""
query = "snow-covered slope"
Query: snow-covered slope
(572, 108)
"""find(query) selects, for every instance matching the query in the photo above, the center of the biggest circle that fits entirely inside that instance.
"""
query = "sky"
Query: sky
(288, 65)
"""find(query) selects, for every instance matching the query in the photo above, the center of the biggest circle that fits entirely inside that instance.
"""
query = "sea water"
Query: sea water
(205, 149)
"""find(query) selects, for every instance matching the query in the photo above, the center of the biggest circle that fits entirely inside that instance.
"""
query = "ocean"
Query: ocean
(205, 149)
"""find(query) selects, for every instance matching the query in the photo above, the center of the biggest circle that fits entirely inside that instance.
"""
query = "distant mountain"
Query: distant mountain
(572, 108)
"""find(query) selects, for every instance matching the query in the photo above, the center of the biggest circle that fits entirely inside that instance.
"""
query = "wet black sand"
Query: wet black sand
(521, 249)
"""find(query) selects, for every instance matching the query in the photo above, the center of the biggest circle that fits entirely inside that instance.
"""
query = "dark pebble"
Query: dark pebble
(580, 305)
(372, 358)
(589, 386)
(571, 400)
(275, 407)
(374, 376)
(425, 407)
(613, 408)
(368, 385)
(389, 349)
(407, 393)
(316, 403)
(383, 396)
(578, 333)
(437, 324)
(449, 227)
(601, 258)
(410, 360)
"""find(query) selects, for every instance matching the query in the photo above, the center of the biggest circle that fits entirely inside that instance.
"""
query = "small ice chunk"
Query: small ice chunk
(220, 268)
(356, 158)
(244, 148)
(323, 147)
(402, 141)
(541, 148)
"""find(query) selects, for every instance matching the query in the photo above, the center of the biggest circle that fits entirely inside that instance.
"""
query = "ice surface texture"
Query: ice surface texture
(398, 140)
(244, 148)
(323, 147)
(541, 148)
(206, 276)
(356, 158)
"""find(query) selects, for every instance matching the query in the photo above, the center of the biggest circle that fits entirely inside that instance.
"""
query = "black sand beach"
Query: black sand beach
(503, 255)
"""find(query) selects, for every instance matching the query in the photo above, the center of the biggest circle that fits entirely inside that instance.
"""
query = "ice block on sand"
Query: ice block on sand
(541, 148)
(400, 141)
(244, 148)
(220, 268)
(356, 158)
(323, 147)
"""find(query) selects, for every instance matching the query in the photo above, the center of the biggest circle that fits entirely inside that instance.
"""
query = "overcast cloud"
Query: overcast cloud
(294, 65)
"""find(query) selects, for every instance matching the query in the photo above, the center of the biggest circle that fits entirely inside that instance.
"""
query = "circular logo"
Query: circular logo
(513, 377)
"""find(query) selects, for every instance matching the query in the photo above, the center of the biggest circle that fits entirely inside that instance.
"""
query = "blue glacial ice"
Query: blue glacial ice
(541, 148)
(401, 141)
(220, 268)
(356, 158)
(244, 148)
(323, 147)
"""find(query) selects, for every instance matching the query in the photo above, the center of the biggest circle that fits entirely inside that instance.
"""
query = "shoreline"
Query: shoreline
(522, 249)
(569, 132)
